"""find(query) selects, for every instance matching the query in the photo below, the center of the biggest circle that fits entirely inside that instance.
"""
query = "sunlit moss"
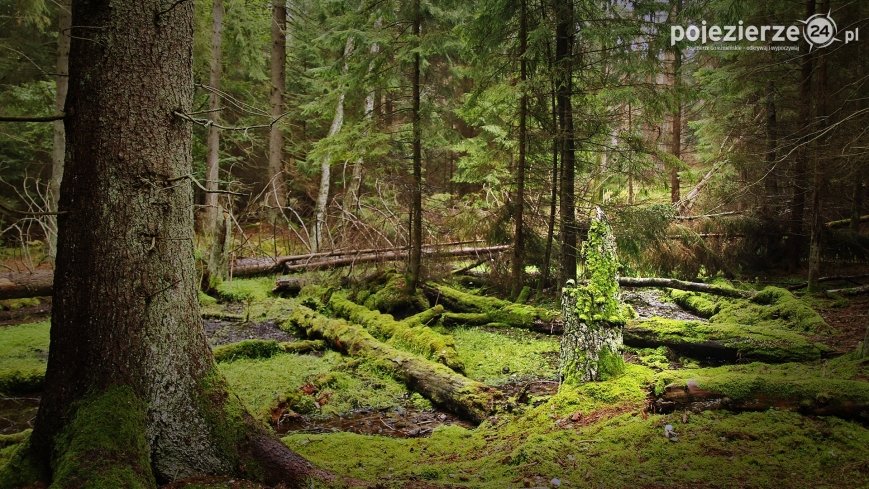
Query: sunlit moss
(498, 357)
(23, 357)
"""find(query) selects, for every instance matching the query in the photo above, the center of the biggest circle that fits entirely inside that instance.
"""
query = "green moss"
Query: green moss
(245, 289)
(703, 305)
(497, 310)
(752, 342)
(496, 358)
(104, 445)
(206, 300)
(334, 386)
(314, 296)
(409, 336)
(654, 358)
(18, 467)
(840, 379)
(772, 307)
(23, 357)
(253, 348)
(393, 298)
(14, 304)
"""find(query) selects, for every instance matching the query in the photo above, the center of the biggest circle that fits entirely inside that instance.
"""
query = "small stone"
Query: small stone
(555, 482)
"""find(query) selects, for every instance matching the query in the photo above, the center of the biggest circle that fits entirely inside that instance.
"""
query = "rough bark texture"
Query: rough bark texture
(676, 135)
(592, 338)
(564, 66)
(819, 162)
(125, 317)
(277, 191)
(58, 149)
(439, 384)
(212, 157)
(415, 241)
(518, 262)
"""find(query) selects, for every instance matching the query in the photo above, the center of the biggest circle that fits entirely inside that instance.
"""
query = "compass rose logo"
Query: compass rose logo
(819, 31)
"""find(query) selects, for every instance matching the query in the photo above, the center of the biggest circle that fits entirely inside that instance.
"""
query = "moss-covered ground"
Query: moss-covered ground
(599, 434)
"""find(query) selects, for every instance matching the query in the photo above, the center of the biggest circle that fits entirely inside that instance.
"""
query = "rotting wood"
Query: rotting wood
(683, 285)
(22, 285)
(443, 387)
(845, 399)
(419, 339)
(841, 223)
(850, 291)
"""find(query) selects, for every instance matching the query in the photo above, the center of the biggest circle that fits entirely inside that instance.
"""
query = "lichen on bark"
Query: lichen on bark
(592, 339)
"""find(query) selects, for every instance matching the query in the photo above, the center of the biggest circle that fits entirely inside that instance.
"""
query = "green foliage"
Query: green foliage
(245, 290)
(23, 356)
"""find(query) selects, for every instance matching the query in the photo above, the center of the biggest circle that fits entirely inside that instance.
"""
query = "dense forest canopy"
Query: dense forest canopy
(384, 199)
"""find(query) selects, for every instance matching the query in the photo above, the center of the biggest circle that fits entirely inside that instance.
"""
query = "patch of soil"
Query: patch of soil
(17, 413)
(39, 312)
(649, 303)
(579, 419)
(534, 390)
(848, 323)
(221, 332)
(399, 423)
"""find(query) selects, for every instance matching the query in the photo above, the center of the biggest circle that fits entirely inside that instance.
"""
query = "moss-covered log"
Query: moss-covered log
(723, 342)
(256, 348)
(497, 310)
(417, 339)
(429, 316)
(683, 285)
(758, 387)
(457, 393)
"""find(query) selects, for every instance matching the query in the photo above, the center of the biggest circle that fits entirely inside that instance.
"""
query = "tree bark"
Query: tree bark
(212, 156)
(770, 181)
(676, 136)
(819, 161)
(58, 149)
(518, 262)
(326, 163)
(277, 190)
(125, 321)
(457, 393)
(415, 241)
(22, 285)
(564, 35)
(800, 183)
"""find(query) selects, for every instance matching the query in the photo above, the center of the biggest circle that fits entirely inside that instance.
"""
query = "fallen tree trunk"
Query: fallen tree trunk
(443, 387)
(717, 343)
(683, 285)
(850, 291)
(707, 216)
(22, 285)
(830, 278)
(417, 339)
(495, 310)
(249, 267)
(841, 223)
(820, 397)
(344, 261)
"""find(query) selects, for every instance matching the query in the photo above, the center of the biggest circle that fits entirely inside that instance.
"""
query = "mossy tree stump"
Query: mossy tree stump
(592, 322)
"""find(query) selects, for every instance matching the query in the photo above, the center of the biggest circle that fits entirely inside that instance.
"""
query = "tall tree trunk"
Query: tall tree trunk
(800, 184)
(212, 156)
(130, 376)
(58, 150)
(770, 181)
(277, 191)
(564, 34)
(857, 192)
(518, 262)
(326, 163)
(676, 136)
(416, 186)
(819, 161)
(353, 191)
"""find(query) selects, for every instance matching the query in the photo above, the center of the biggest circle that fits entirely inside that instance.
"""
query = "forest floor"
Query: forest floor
(353, 416)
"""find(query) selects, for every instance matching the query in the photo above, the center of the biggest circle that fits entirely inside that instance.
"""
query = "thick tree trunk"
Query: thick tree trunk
(326, 163)
(564, 35)
(58, 149)
(439, 384)
(518, 262)
(128, 353)
(770, 180)
(276, 194)
(819, 162)
(415, 241)
(800, 183)
(212, 212)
